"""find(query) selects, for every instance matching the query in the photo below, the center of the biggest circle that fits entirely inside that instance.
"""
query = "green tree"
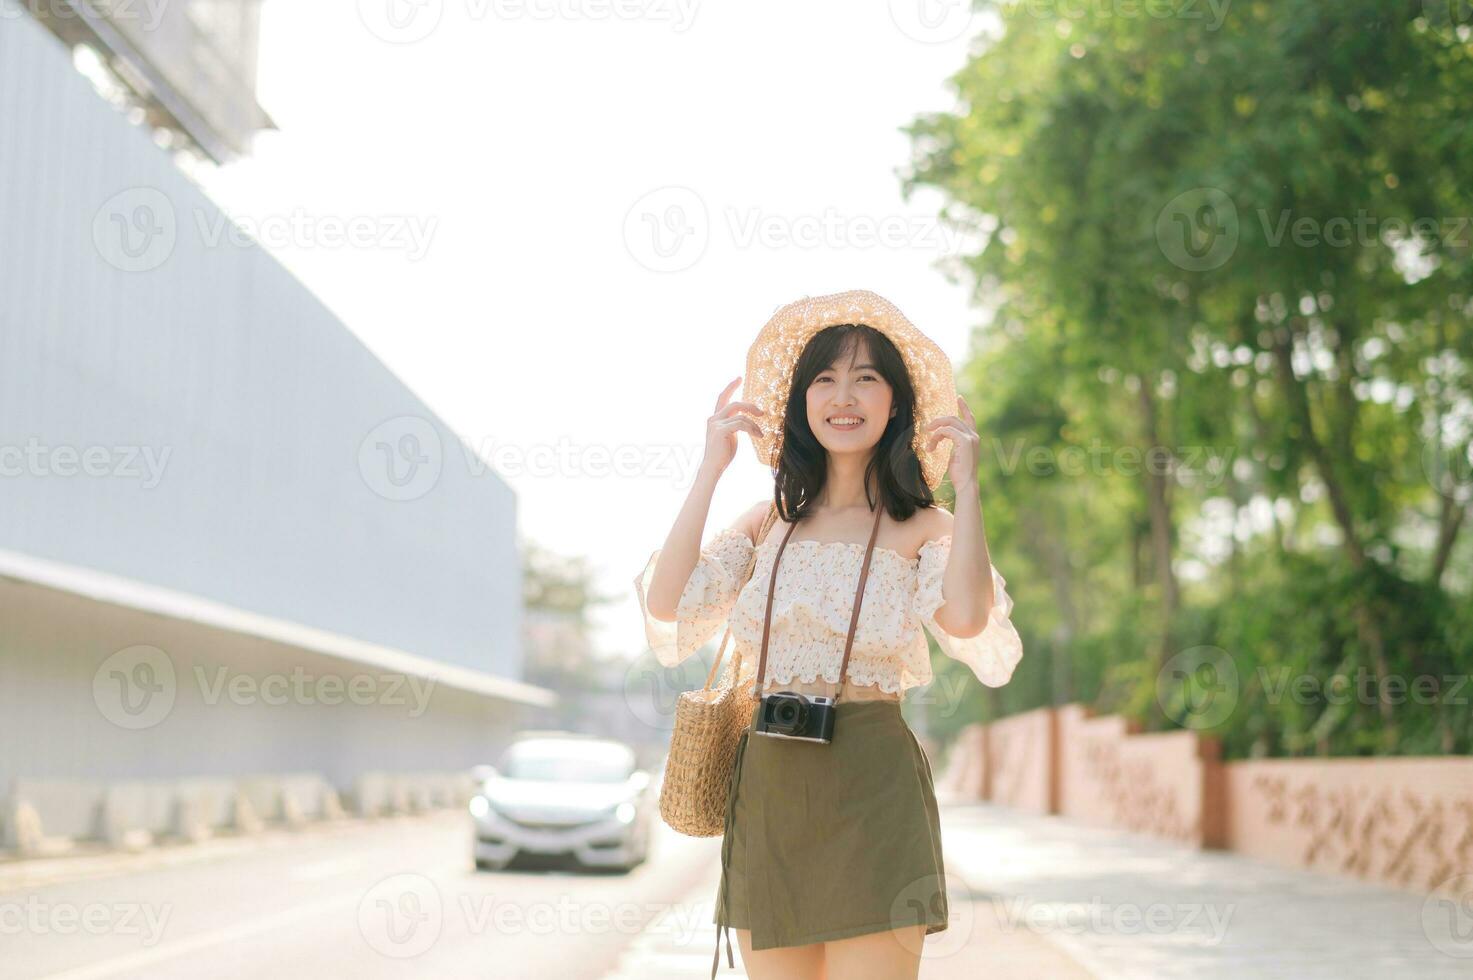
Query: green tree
(1242, 247)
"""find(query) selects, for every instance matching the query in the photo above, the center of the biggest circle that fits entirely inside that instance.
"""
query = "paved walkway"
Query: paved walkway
(1047, 897)
(979, 942)
(1130, 906)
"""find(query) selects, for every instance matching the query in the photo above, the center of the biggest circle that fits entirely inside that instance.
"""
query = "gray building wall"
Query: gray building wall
(244, 445)
(218, 703)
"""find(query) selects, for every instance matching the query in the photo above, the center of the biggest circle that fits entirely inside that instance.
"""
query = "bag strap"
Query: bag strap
(767, 523)
(869, 551)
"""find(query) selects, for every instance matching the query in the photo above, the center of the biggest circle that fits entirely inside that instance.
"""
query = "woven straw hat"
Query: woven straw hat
(774, 355)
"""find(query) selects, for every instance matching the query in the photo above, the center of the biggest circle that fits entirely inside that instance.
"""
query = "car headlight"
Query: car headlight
(624, 813)
(480, 807)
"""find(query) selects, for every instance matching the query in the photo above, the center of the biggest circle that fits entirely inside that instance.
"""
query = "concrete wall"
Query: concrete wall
(1403, 821)
(1018, 756)
(1400, 821)
(205, 703)
(294, 474)
(1156, 783)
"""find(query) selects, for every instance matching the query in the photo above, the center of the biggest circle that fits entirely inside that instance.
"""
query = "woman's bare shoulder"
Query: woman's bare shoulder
(931, 523)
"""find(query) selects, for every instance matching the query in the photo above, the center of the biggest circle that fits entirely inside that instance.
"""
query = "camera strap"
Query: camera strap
(869, 551)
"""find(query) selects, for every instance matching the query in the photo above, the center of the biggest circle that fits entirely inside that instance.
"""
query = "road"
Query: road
(376, 900)
(396, 898)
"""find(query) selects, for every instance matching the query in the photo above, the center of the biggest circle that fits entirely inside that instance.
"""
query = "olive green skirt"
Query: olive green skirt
(830, 841)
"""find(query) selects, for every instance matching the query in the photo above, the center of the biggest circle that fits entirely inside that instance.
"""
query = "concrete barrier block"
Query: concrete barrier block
(190, 820)
(23, 830)
(125, 817)
(461, 788)
(145, 804)
(211, 799)
(288, 797)
(245, 819)
(69, 808)
(264, 791)
(398, 797)
(303, 793)
(370, 794)
(332, 805)
(379, 793)
(291, 811)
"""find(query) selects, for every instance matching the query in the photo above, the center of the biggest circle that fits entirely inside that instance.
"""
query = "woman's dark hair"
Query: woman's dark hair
(894, 471)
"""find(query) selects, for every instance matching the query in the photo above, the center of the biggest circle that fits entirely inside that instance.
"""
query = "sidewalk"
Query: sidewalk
(978, 943)
(1130, 906)
(1057, 899)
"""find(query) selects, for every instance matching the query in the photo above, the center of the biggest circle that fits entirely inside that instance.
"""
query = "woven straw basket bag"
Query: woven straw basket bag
(708, 725)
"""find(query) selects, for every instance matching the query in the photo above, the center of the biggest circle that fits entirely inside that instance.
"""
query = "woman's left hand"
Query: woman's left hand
(966, 444)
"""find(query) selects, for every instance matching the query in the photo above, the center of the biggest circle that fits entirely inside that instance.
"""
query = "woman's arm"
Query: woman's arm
(682, 547)
(967, 582)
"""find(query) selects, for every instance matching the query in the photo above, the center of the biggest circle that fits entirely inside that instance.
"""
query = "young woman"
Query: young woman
(831, 857)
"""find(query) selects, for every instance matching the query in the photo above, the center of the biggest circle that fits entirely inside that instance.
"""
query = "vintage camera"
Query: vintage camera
(788, 714)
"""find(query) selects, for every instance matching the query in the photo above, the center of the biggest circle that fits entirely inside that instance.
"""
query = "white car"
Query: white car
(579, 796)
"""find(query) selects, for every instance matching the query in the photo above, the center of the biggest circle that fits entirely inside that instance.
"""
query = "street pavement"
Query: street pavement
(1131, 907)
(387, 899)
(1046, 897)
(1030, 897)
(975, 945)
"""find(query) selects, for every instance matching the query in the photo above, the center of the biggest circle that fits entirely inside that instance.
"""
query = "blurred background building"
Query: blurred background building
(189, 67)
(232, 543)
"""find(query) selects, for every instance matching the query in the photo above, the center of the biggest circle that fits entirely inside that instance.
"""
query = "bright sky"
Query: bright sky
(576, 223)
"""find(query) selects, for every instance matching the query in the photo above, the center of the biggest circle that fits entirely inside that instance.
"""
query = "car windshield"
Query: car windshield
(584, 762)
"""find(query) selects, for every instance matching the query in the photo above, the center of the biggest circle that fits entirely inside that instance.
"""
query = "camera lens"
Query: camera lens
(788, 711)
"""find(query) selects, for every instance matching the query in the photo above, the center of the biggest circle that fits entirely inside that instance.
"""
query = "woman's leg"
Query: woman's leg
(780, 962)
(891, 955)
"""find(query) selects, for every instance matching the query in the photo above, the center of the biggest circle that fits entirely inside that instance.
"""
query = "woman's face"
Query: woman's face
(849, 403)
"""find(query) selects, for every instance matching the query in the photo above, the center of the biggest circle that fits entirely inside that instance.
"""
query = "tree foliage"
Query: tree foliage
(1233, 258)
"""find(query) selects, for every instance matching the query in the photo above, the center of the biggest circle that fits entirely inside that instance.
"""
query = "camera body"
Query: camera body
(788, 714)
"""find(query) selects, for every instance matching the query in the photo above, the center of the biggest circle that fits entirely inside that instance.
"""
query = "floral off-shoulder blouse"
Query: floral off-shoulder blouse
(812, 608)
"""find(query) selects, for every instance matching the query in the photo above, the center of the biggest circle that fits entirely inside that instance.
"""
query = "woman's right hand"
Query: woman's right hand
(722, 428)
